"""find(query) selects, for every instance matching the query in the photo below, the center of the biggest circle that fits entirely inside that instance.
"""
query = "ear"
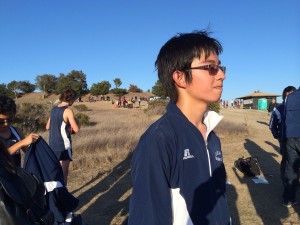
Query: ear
(179, 78)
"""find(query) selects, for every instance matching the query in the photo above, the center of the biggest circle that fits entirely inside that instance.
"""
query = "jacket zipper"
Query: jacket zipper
(208, 157)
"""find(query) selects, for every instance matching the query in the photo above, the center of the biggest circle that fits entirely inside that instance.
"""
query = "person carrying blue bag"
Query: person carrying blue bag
(41, 161)
(22, 199)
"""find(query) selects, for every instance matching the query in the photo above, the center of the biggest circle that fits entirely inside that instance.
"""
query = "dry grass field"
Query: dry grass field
(100, 172)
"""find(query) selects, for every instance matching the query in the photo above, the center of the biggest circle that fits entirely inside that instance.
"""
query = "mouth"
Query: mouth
(219, 87)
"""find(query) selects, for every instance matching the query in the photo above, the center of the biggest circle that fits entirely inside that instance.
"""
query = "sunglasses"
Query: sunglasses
(5, 121)
(213, 69)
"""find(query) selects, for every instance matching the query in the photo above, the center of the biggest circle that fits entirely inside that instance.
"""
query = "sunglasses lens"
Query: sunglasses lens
(213, 69)
(3, 121)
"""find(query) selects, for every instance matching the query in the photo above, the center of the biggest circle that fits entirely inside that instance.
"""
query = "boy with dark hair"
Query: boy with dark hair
(276, 122)
(177, 167)
(291, 131)
(62, 124)
(11, 136)
(276, 127)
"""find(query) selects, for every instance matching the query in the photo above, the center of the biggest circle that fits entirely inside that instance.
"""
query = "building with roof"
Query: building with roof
(257, 100)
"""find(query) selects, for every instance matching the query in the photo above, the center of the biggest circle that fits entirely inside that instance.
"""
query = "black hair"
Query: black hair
(286, 90)
(7, 106)
(178, 54)
(68, 95)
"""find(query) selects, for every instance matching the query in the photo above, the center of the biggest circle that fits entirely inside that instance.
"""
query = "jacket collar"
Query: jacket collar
(211, 118)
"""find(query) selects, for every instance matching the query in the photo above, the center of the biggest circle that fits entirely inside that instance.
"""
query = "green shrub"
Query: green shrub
(31, 117)
(214, 106)
(84, 120)
(157, 107)
(80, 107)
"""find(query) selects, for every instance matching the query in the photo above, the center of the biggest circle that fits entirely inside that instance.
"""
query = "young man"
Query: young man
(178, 173)
(11, 136)
(276, 121)
(276, 127)
(291, 132)
(62, 124)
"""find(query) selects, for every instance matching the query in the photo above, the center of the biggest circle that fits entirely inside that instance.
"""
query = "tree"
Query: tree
(13, 88)
(117, 82)
(159, 90)
(101, 88)
(3, 89)
(26, 87)
(75, 80)
(134, 88)
(46, 83)
(119, 92)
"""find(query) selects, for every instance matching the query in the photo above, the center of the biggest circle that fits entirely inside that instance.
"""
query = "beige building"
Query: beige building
(257, 100)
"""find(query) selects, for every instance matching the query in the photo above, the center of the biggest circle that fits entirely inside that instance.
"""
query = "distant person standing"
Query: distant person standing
(62, 124)
(291, 131)
(271, 106)
(276, 127)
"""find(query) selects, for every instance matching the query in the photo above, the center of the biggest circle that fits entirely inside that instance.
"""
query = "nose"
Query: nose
(221, 75)
(4, 124)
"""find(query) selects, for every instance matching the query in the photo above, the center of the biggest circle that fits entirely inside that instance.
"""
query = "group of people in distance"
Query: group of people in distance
(61, 124)
(285, 126)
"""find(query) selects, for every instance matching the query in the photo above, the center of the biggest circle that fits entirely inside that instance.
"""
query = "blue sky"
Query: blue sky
(110, 39)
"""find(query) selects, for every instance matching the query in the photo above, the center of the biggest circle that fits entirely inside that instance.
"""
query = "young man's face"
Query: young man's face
(5, 121)
(204, 85)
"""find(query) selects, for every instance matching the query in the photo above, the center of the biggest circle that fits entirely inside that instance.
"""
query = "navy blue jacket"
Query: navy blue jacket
(292, 115)
(42, 162)
(276, 122)
(178, 178)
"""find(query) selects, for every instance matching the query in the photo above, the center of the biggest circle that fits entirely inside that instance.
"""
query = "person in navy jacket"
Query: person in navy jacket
(178, 173)
(291, 131)
(13, 137)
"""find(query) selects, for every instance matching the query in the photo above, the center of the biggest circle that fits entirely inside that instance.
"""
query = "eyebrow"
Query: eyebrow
(213, 61)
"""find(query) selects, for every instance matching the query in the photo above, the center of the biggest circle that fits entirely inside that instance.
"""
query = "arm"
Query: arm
(150, 202)
(23, 143)
(69, 117)
(48, 124)
(273, 125)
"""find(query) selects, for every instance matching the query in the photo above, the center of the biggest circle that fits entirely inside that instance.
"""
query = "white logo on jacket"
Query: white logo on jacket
(218, 156)
(186, 154)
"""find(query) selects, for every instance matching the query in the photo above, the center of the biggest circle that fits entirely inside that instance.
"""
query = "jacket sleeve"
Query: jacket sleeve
(150, 203)
(274, 123)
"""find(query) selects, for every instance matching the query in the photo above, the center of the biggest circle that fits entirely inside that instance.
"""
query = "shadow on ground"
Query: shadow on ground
(107, 202)
(265, 197)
